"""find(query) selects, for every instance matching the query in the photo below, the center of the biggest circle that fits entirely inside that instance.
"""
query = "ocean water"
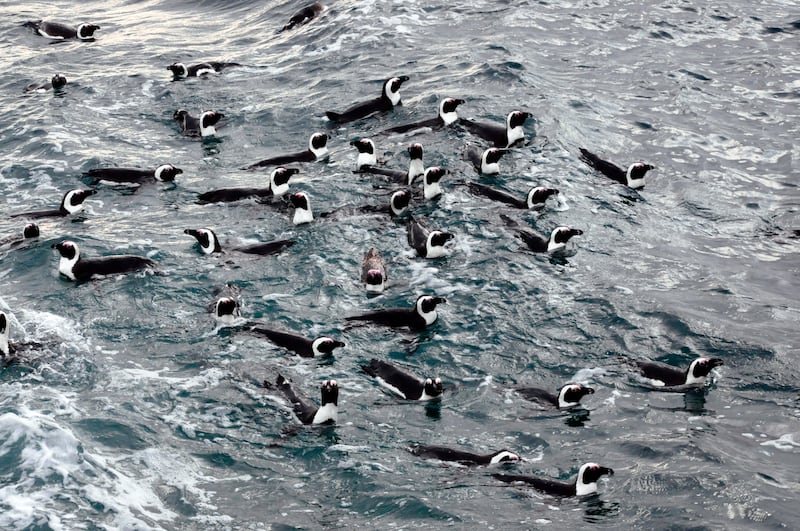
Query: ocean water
(133, 410)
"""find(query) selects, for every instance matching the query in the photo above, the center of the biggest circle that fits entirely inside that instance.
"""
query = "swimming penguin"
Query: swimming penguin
(317, 150)
(584, 484)
(302, 208)
(73, 266)
(326, 413)
(499, 135)
(442, 453)
(537, 243)
(536, 196)
(180, 70)
(395, 207)
(447, 116)
(202, 127)
(405, 385)
(373, 271)
(667, 376)
(164, 173)
(305, 348)
(389, 98)
(71, 203)
(485, 161)
(29, 232)
(568, 396)
(226, 310)
(58, 31)
(430, 182)
(56, 82)
(419, 316)
(209, 243)
(278, 186)
(303, 16)
(6, 348)
(428, 243)
(633, 177)
(415, 166)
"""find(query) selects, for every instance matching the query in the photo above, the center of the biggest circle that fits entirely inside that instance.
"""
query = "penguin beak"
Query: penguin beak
(589, 390)
(191, 232)
(339, 344)
(716, 362)
(439, 300)
(606, 470)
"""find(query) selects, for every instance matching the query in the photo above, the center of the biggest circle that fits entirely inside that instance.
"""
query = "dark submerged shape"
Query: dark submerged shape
(303, 16)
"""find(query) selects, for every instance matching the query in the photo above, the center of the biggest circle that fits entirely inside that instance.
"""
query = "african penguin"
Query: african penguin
(485, 161)
(180, 70)
(59, 31)
(428, 243)
(29, 232)
(389, 98)
(302, 208)
(303, 347)
(442, 453)
(537, 243)
(568, 396)
(6, 348)
(430, 182)
(56, 82)
(584, 484)
(667, 376)
(633, 177)
(447, 116)
(73, 266)
(415, 166)
(71, 203)
(204, 126)
(163, 173)
(536, 196)
(419, 316)
(209, 243)
(502, 136)
(303, 16)
(307, 413)
(317, 150)
(278, 186)
(373, 271)
(403, 384)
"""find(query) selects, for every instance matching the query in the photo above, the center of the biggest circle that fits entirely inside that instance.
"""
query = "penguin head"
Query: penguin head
(366, 152)
(699, 369)
(318, 144)
(178, 69)
(426, 304)
(560, 236)
(226, 309)
(31, 230)
(4, 348)
(588, 475)
(504, 456)
(447, 110)
(432, 388)
(516, 119)
(73, 200)
(180, 115)
(208, 120)
(492, 156)
(86, 31)
(391, 89)
(571, 394)
(67, 249)
(434, 174)
(324, 346)
(302, 208)
(166, 173)
(539, 194)
(399, 202)
(58, 81)
(437, 238)
(415, 151)
(330, 393)
(635, 174)
(374, 280)
(279, 180)
(206, 238)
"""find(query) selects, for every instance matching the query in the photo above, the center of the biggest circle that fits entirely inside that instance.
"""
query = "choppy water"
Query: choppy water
(136, 413)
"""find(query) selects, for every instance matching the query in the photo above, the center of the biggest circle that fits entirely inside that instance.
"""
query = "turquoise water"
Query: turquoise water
(136, 412)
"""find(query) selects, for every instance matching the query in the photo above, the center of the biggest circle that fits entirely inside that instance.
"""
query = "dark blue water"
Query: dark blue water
(136, 412)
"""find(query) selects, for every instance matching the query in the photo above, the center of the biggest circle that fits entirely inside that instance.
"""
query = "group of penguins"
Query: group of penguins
(429, 244)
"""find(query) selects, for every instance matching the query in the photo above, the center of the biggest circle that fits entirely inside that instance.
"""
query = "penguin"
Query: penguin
(389, 98)
(163, 173)
(307, 413)
(442, 453)
(278, 186)
(537, 243)
(396, 207)
(73, 266)
(29, 232)
(632, 178)
(302, 208)
(209, 243)
(447, 116)
(667, 376)
(430, 182)
(6, 348)
(202, 127)
(536, 197)
(57, 82)
(419, 316)
(584, 484)
(485, 161)
(317, 150)
(501, 136)
(226, 310)
(305, 348)
(303, 16)
(71, 203)
(428, 243)
(60, 32)
(180, 70)
(568, 396)
(416, 168)
(373, 271)
(403, 384)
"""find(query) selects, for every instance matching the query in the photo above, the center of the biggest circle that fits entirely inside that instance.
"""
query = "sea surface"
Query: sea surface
(132, 409)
